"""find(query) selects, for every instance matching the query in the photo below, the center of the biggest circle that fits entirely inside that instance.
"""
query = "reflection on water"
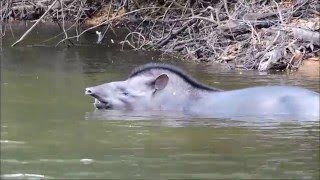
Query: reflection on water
(49, 128)
(99, 114)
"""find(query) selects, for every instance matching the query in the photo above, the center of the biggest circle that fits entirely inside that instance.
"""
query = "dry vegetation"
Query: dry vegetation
(248, 34)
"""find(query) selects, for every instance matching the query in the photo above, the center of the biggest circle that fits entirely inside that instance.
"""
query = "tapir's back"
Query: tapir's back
(265, 100)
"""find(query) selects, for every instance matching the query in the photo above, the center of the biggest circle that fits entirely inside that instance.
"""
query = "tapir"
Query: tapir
(163, 87)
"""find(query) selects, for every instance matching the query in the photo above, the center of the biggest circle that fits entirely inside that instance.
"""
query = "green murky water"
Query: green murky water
(49, 128)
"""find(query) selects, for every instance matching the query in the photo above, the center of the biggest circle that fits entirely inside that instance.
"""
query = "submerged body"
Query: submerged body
(167, 88)
(265, 100)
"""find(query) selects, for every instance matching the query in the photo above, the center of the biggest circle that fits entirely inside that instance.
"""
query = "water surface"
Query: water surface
(49, 128)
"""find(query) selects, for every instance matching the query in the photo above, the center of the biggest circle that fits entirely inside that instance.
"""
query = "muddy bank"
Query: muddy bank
(261, 35)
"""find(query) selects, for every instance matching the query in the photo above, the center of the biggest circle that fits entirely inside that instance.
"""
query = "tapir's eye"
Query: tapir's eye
(124, 91)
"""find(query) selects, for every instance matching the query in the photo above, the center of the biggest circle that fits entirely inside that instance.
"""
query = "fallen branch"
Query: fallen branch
(242, 34)
(34, 25)
(270, 58)
(306, 35)
(105, 22)
(165, 40)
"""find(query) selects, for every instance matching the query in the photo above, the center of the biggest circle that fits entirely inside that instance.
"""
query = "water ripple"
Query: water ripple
(24, 176)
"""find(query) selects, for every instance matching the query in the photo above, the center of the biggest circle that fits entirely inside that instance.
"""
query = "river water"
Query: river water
(49, 128)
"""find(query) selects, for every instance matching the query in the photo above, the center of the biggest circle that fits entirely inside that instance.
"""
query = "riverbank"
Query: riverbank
(263, 35)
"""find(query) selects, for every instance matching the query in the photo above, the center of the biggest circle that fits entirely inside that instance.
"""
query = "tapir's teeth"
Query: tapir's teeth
(96, 101)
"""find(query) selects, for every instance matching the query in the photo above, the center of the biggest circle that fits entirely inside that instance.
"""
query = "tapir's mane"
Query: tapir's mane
(173, 69)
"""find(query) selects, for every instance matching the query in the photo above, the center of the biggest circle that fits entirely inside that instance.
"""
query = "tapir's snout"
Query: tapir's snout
(92, 92)
(99, 102)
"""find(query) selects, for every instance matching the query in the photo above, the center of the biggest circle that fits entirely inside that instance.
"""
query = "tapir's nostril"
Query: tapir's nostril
(88, 91)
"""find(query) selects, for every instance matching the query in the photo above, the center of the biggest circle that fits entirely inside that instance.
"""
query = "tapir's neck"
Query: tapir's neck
(176, 99)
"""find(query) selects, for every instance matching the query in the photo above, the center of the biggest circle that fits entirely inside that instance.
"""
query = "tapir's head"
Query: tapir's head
(142, 87)
(133, 93)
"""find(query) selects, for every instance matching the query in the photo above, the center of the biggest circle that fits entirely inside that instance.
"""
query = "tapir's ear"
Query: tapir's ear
(161, 82)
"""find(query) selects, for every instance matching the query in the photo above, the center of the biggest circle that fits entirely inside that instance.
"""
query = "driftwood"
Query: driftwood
(306, 35)
(261, 35)
(34, 25)
(270, 58)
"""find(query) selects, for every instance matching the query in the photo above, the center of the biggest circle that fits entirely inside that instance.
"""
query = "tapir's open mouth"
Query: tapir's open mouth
(99, 103)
